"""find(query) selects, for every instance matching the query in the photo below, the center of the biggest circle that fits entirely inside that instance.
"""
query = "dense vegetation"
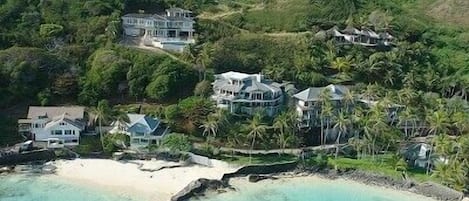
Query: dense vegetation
(68, 52)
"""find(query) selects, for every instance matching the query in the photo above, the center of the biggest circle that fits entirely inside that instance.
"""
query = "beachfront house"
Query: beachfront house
(63, 124)
(364, 37)
(171, 30)
(143, 130)
(242, 93)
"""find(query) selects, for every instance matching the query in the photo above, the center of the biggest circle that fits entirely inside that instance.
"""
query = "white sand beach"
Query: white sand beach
(127, 179)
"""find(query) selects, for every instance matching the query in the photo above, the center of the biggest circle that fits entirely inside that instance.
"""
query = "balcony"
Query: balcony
(24, 128)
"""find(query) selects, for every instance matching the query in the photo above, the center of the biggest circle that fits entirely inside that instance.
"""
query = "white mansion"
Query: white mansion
(242, 93)
(62, 124)
(172, 30)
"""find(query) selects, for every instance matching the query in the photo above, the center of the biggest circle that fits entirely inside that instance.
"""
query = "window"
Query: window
(62, 123)
(56, 132)
(135, 140)
(73, 131)
(306, 103)
(139, 134)
(143, 141)
(68, 132)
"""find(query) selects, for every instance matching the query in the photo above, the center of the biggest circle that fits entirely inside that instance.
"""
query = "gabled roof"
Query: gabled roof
(141, 119)
(72, 112)
(66, 119)
(254, 85)
(313, 93)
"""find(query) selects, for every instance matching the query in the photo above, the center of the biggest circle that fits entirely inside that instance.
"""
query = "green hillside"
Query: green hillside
(56, 52)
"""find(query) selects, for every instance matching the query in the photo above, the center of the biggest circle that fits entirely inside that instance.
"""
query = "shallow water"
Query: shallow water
(43, 188)
(312, 189)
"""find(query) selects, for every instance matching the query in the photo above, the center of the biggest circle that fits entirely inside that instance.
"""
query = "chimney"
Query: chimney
(259, 77)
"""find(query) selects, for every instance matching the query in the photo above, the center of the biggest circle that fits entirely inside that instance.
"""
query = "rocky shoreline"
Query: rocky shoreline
(276, 171)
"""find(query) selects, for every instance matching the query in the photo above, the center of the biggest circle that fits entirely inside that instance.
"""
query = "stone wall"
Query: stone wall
(199, 186)
(15, 159)
(261, 169)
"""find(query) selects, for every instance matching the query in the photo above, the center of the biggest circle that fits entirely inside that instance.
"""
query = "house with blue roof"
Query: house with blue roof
(143, 130)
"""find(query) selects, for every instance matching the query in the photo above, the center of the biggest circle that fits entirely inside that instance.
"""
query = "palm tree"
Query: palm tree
(101, 114)
(121, 118)
(324, 101)
(203, 58)
(210, 127)
(342, 124)
(404, 118)
(349, 100)
(257, 130)
(342, 64)
(438, 124)
(284, 124)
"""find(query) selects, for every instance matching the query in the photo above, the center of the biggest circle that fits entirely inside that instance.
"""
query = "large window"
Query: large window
(56, 132)
(68, 132)
(139, 134)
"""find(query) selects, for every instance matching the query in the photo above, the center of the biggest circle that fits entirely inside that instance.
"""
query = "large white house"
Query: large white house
(243, 93)
(172, 30)
(54, 123)
(143, 130)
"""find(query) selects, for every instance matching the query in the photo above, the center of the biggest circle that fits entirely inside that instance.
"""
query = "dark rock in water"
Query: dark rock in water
(198, 187)
(5, 169)
(255, 178)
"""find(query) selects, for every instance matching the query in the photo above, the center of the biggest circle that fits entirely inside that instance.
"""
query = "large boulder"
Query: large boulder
(198, 187)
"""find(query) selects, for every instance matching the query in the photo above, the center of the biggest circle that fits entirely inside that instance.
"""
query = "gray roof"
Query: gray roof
(250, 83)
(138, 15)
(313, 93)
(142, 120)
(72, 112)
(254, 85)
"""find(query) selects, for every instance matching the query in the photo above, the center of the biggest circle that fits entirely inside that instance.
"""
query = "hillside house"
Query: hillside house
(171, 30)
(364, 37)
(242, 93)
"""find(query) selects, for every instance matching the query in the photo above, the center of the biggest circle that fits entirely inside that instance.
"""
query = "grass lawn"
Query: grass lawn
(257, 159)
(381, 164)
(280, 15)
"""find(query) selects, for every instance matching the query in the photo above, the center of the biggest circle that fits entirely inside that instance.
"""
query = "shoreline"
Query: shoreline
(148, 180)
(162, 180)
(240, 184)
(427, 189)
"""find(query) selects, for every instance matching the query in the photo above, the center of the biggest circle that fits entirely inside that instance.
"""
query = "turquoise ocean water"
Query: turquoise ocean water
(36, 188)
(316, 191)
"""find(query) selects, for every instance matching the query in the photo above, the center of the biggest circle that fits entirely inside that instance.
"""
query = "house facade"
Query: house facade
(172, 30)
(242, 93)
(364, 37)
(308, 103)
(143, 130)
(54, 123)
